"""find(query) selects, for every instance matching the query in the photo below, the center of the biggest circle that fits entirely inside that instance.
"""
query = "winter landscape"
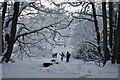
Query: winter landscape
(32, 68)
(60, 39)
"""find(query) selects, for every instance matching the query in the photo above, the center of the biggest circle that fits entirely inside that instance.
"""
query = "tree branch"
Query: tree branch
(34, 31)
(74, 4)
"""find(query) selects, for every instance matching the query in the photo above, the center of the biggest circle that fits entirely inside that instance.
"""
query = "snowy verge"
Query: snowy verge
(73, 69)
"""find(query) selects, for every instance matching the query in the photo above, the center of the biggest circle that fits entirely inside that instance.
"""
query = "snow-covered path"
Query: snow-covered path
(73, 69)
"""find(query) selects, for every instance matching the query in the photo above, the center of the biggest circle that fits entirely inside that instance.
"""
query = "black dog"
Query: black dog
(47, 64)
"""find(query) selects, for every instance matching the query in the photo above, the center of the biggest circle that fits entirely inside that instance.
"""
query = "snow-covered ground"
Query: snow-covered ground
(0, 71)
(32, 68)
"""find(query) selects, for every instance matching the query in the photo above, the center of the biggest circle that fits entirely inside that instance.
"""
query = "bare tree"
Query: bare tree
(117, 52)
(105, 47)
(110, 24)
(3, 18)
(96, 28)
(0, 35)
(12, 35)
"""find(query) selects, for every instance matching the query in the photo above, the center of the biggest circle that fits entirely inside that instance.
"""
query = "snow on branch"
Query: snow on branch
(37, 30)
(66, 25)
(24, 27)
(84, 18)
(95, 15)
(57, 32)
(8, 20)
(74, 4)
(1, 5)
(46, 10)
(91, 43)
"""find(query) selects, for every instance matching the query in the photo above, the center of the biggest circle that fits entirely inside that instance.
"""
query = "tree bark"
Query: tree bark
(3, 18)
(96, 28)
(105, 48)
(118, 39)
(0, 35)
(12, 35)
(114, 38)
(116, 47)
(110, 25)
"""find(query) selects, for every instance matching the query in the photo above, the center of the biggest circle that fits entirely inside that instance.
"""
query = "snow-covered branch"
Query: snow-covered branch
(74, 4)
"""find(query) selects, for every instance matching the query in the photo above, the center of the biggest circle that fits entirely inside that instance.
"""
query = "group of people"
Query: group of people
(62, 56)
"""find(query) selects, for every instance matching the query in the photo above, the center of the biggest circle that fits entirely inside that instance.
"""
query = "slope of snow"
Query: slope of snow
(32, 68)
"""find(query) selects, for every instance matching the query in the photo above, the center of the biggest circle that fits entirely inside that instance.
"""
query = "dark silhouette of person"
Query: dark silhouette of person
(68, 56)
(54, 55)
(62, 55)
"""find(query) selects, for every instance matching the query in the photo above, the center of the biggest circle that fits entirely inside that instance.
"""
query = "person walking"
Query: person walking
(62, 55)
(68, 56)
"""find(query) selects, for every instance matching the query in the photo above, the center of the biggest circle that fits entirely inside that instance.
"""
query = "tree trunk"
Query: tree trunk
(12, 35)
(3, 18)
(116, 47)
(118, 39)
(0, 35)
(111, 31)
(105, 48)
(115, 38)
(110, 25)
(96, 28)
